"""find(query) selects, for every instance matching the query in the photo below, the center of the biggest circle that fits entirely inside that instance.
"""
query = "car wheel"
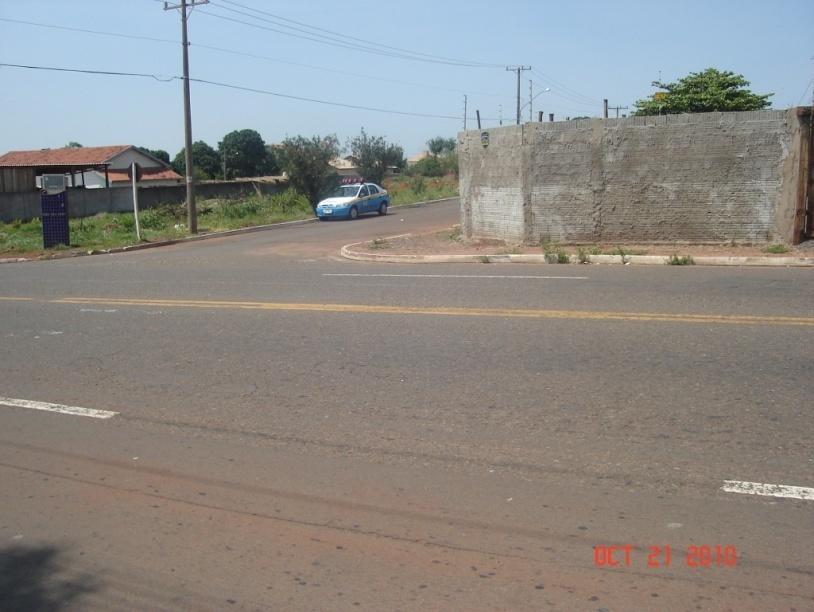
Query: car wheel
(353, 213)
(383, 208)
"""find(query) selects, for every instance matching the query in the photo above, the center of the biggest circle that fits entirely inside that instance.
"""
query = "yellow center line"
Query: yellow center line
(438, 310)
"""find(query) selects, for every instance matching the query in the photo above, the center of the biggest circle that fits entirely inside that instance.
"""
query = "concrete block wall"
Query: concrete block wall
(25, 206)
(494, 187)
(710, 177)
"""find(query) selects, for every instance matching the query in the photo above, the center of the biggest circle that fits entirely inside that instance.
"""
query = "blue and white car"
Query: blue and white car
(350, 201)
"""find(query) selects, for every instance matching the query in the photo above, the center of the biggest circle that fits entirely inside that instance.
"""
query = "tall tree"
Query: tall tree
(440, 145)
(204, 158)
(375, 156)
(158, 153)
(307, 163)
(244, 152)
(73, 145)
(703, 92)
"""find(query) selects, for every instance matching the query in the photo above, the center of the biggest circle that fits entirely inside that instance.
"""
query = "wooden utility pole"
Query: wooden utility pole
(192, 213)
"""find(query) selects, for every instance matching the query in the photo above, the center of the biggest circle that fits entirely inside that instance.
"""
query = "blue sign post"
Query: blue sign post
(54, 203)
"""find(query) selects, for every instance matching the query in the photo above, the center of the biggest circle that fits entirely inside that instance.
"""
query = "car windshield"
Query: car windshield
(345, 191)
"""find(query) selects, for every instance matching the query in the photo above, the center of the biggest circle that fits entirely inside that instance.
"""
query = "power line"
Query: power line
(237, 87)
(254, 56)
(163, 79)
(565, 91)
(342, 43)
(343, 37)
(86, 31)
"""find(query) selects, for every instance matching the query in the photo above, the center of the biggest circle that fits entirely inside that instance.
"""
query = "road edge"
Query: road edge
(163, 243)
(349, 252)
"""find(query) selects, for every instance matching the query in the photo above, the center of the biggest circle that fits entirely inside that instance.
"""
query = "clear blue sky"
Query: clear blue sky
(591, 50)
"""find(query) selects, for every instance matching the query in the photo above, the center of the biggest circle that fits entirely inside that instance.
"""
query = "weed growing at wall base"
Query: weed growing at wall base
(675, 260)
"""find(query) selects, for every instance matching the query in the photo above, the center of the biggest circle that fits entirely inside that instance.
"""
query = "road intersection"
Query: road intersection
(296, 431)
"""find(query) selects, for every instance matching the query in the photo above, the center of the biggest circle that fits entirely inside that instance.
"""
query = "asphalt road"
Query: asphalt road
(295, 431)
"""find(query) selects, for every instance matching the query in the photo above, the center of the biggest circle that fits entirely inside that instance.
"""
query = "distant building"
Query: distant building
(345, 166)
(414, 159)
(90, 167)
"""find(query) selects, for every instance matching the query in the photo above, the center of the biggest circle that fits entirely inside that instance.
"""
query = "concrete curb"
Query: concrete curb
(348, 252)
(420, 204)
(234, 232)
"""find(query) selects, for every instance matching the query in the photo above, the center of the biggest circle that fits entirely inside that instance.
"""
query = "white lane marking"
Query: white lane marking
(97, 310)
(72, 410)
(769, 490)
(461, 276)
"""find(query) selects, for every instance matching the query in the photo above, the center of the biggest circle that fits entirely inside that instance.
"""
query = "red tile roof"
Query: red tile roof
(147, 174)
(69, 156)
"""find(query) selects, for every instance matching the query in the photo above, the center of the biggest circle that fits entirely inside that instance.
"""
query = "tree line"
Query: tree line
(307, 161)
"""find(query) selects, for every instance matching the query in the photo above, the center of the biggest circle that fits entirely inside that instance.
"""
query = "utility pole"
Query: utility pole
(464, 112)
(192, 213)
(531, 100)
(518, 70)
(617, 109)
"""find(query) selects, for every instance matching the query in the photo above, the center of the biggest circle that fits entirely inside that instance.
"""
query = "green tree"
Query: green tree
(307, 163)
(440, 145)
(245, 153)
(429, 166)
(205, 160)
(73, 145)
(158, 153)
(375, 156)
(272, 163)
(703, 92)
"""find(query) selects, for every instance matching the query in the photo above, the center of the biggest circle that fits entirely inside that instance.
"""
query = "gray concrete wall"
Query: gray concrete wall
(24, 206)
(710, 177)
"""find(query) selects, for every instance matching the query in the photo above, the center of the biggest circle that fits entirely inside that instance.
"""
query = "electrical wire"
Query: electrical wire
(344, 36)
(237, 87)
(348, 73)
(86, 31)
(161, 78)
(254, 56)
(565, 91)
(332, 41)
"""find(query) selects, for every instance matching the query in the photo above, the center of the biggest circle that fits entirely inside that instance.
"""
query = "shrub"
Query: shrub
(429, 166)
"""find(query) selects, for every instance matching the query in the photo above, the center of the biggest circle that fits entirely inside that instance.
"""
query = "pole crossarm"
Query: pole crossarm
(191, 3)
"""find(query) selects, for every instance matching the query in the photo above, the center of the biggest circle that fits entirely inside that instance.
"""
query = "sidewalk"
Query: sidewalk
(448, 247)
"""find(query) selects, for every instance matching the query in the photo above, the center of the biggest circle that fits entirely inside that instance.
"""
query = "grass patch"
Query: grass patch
(412, 189)
(455, 235)
(378, 243)
(776, 249)
(557, 257)
(675, 260)
(167, 222)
